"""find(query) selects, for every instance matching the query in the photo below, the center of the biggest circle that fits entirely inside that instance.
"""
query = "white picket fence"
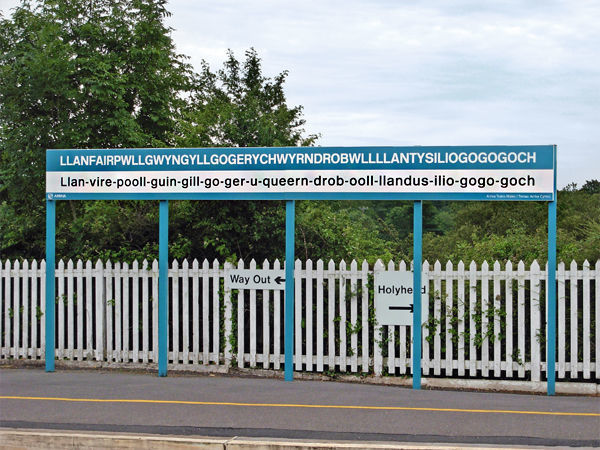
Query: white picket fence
(483, 322)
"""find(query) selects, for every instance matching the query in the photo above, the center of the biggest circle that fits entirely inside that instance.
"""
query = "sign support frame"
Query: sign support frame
(289, 271)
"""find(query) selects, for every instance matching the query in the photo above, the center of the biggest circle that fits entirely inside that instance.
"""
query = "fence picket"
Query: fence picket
(16, 310)
(266, 324)
(252, 320)
(195, 312)
(155, 272)
(59, 307)
(353, 316)
(216, 313)
(342, 322)
(145, 313)
(364, 276)
(309, 315)
(298, 315)
(497, 308)
(509, 319)
(185, 310)
(535, 328)
(108, 275)
(320, 312)
(573, 305)
(437, 311)
(100, 311)
(485, 342)
(461, 300)
(586, 319)
(34, 350)
(561, 328)
(135, 311)
(118, 317)
(240, 321)
(228, 316)
(521, 316)
(277, 323)
(449, 316)
(26, 311)
(404, 362)
(472, 329)
(331, 314)
(124, 356)
(205, 315)
(425, 359)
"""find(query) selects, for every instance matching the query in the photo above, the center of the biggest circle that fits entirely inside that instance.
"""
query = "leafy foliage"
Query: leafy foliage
(239, 107)
(80, 75)
(104, 73)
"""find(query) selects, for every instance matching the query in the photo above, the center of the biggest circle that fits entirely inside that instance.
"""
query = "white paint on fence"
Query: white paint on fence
(108, 312)
(573, 306)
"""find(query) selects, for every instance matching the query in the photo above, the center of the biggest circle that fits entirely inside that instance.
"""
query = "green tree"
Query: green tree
(591, 187)
(237, 106)
(104, 73)
(80, 74)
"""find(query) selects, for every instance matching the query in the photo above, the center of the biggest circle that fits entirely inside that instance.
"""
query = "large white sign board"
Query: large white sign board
(394, 298)
(412, 173)
(255, 279)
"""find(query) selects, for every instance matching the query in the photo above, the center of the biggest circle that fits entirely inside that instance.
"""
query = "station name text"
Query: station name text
(190, 160)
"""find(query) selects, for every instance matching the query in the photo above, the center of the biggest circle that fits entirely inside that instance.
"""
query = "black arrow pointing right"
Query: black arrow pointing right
(403, 308)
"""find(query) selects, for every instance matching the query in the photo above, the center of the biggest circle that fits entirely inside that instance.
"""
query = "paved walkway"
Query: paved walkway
(104, 401)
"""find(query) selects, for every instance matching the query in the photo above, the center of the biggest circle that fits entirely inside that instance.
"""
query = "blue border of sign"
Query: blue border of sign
(278, 158)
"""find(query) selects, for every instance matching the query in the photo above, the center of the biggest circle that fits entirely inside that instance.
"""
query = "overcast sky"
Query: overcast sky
(421, 73)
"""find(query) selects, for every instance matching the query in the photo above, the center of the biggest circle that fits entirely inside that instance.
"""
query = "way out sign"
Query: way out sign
(394, 298)
(255, 279)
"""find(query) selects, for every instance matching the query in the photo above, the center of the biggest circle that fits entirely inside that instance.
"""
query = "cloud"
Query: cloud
(445, 73)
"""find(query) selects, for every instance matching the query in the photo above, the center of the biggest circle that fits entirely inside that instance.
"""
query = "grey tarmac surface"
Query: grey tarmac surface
(265, 416)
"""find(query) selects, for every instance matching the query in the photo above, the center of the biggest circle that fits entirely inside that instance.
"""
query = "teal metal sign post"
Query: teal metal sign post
(290, 220)
(163, 287)
(50, 267)
(551, 290)
(487, 173)
(417, 261)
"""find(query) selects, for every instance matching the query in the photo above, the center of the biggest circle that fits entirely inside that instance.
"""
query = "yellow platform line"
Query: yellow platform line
(293, 405)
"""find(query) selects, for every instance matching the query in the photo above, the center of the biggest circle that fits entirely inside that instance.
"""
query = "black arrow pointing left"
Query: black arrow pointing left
(279, 280)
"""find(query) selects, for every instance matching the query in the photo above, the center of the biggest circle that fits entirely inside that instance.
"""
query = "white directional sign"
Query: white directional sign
(394, 298)
(255, 279)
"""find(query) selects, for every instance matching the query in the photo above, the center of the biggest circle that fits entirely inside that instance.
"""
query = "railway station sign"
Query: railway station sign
(296, 173)
(488, 173)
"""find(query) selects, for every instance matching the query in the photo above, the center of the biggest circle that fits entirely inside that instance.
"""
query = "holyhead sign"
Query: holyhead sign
(488, 173)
